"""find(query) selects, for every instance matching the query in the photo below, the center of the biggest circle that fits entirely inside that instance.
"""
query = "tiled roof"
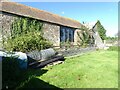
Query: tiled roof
(19, 9)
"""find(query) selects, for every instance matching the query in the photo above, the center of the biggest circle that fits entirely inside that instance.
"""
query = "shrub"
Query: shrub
(27, 42)
(26, 35)
(113, 48)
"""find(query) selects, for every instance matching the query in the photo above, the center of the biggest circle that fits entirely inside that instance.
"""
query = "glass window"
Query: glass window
(66, 34)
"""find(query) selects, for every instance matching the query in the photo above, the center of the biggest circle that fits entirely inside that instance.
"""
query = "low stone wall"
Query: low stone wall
(76, 51)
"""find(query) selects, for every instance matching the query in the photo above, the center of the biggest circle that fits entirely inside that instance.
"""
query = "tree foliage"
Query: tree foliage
(111, 38)
(101, 30)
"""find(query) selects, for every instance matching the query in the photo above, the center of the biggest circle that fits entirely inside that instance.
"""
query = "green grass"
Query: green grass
(98, 69)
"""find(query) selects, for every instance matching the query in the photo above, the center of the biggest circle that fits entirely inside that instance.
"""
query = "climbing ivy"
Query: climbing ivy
(26, 35)
(22, 26)
(85, 38)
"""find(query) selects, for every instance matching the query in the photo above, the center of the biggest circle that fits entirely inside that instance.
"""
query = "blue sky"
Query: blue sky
(106, 12)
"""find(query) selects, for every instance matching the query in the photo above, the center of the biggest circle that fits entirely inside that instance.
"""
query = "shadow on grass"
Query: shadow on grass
(32, 82)
(38, 84)
(28, 80)
(15, 78)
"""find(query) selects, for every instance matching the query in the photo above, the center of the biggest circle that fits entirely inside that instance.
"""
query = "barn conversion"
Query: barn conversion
(94, 30)
(56, 28)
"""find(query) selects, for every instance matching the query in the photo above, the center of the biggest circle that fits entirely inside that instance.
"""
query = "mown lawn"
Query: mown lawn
(98, 69)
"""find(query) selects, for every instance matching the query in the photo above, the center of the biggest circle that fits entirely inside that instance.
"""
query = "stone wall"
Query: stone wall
(51, 31)
(98, 41)
(76, 37)
(0, 30)
(7, 20)
(5, 29)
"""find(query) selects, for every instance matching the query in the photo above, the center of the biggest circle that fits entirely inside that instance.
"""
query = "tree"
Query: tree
(101, 30)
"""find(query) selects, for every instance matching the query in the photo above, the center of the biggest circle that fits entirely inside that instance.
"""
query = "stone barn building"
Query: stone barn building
(92, 26)
(56, 28)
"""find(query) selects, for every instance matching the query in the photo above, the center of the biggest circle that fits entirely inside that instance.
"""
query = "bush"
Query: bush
(113, 48)
(27, 42)
(11, 72)
(26, 36)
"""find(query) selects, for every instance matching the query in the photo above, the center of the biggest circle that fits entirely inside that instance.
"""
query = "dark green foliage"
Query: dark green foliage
(22, 26)
(10, 72)
(26, 35)
(28, 42)
(112, 38)
(101, 30)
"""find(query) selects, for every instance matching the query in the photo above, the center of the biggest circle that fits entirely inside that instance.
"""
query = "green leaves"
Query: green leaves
(101, 30)
(28, 42)
(26, 36)
(85, 38)
(24, 25)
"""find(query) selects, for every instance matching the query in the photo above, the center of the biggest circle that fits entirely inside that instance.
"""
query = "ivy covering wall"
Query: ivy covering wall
(85, 37)
(22, 26)
(26, 35)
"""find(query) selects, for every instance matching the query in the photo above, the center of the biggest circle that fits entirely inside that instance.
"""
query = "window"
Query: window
(66, 34)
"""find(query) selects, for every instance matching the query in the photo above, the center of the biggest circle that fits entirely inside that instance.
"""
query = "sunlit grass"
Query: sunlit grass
(97, 69)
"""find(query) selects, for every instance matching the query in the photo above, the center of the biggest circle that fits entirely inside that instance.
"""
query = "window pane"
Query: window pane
(66, 34)
(62, 35)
